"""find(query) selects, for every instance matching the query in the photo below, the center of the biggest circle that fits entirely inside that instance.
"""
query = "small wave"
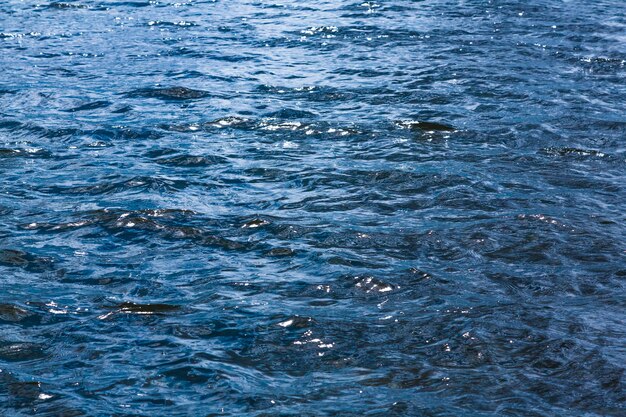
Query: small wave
(66, 6)
(108, 186)
(370, 284)
(180, 23)
(10, 313)
(13, 351)
(573, 152)
(131, 225)
(170, 93)
(192, 161)
(424, 126)
(27, 261)
(90, 106)
(290, 114)
(24, 153)
(255, 223)
(280, 252)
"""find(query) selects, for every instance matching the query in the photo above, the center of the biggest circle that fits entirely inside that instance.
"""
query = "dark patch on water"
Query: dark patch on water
(191, 161)
(422, 125)
(170, 93)
(90, 106)
(25, 260)
(13, 314)
(140, 309)
(66, 5)
(12, 351)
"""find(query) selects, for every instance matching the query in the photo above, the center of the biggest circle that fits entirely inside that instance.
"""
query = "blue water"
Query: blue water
(329, 208)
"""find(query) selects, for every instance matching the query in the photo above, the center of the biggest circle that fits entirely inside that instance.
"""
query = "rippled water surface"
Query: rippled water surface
(249, 208)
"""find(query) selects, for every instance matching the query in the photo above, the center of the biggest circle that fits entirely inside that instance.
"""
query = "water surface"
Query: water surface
(249, 208)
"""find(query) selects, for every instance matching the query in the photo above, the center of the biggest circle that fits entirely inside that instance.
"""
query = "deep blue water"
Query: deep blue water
(329, 208)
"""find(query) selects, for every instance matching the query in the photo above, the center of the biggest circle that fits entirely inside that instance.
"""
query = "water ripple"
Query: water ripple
(325, 208)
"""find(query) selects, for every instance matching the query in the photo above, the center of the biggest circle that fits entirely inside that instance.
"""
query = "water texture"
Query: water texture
(249, 208)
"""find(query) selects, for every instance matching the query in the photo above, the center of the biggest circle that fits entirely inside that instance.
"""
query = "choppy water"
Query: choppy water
(340, 207)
